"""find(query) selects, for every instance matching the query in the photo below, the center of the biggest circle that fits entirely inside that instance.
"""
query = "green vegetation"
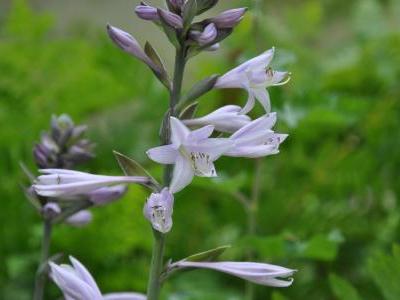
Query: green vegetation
(329, 203)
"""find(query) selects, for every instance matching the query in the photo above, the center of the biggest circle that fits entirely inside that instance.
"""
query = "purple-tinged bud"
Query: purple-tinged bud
(51, 210)
(207, 36)
(171, 19)
(158, 210)
(79, 219)
(229, 18)
(214, 47)
(147, 12)
(106, 195)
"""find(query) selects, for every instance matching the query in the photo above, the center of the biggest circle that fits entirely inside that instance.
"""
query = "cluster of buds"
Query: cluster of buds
(63, 146)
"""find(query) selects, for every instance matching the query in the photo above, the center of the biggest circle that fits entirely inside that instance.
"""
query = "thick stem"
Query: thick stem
(41, 274)
(156, 268)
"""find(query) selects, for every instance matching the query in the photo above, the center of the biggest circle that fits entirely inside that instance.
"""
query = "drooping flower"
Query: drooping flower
(192, 153)
(158, 210)
(225, 119)
(68, 183)
(255, 76)
(77, 283)
(256, 139)
(259, 273)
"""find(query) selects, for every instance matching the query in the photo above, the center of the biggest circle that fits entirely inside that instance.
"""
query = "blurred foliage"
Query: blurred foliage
(329, 201)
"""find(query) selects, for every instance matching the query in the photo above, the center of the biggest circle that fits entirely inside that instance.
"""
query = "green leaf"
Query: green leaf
(321, 247)
(209, 255)
(200, 88)
(131, 167)
(155, 58)
(189, 111)
(189, 12)
(342, 289)
(204, 5)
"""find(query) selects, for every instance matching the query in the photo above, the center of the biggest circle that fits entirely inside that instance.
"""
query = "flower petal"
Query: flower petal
(251, 101)
(179, 132)
(164, 154)
(182, 175)
(84, 274)
(262, 96)
(201, 133)
(124, 296)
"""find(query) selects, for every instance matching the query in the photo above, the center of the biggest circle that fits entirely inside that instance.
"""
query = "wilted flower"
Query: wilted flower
(256, 139)
(259, 273)
(254, 76)
(192, 152)
(229, 18)
(225, 119)
(77, 283)
(81, 218)
(68, 183)
(147, 12)
(63, 146)
(207, 36)
(158, 210)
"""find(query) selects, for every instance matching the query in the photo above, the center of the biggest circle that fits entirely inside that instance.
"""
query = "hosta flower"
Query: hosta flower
(158, 210)
(192, 153)
(229, 18)
(225, 119)
(147, 12)
(77, 283)
(68, 183)
(79, 219)
(107, 194)
(256, 139)
(259, 273)
(254, 76)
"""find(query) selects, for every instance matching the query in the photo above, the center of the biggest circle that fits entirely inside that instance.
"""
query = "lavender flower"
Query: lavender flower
(259, 273)
(79, 219)
(256, 139)
(254, 76)
(207, 36)
(225, 119)
(229, 18)
(107, 194)
(77, 283)
(68, 183)
(51, 210)
(192, 152)
(158, 210)
(147, 12)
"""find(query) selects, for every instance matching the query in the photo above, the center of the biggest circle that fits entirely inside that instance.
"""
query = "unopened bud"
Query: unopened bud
(229, 18)
(79, 219)
(171, 19)
(147, 12)
(106, 195)
(51, 210)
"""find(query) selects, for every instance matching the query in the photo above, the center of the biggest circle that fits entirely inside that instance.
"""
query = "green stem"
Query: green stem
(156, 268)
(41, 274)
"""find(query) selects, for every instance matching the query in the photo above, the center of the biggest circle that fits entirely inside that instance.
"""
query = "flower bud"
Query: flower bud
(229, 18)
(147, 12)
(207, 36)
(176, 5)
(106, 195)
(79, 219)
(171, 19)
(158, 210)
(51, 210)
(214, 47)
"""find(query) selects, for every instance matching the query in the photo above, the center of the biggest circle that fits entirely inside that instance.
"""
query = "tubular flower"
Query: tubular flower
(254, 76)
(68, 183)
(192, 153)
(256, 139)
(225, 119)
(158, 210)
(77, 283)
(259, 273)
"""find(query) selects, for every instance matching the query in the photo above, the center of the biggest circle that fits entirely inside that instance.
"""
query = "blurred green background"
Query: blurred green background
(329, 202)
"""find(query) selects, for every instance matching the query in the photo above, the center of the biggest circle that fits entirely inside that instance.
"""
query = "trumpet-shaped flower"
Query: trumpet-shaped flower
(192, 153)
(158, 210)
(68, 183)
(259, 273)
(256, 139)
(77, 283)
(225, 119)
(254, 76)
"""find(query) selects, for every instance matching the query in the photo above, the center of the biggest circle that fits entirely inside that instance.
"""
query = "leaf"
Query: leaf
(209, 255)
(321, 247)
(200, 88)
(132, 168)
(189, 111)
(155, 58)
(188, 13)
(342, 289)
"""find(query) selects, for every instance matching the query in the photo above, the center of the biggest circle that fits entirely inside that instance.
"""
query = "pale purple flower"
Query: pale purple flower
(256, 139)
(259, 273)
(205, 37)
(229, 18)
(129, 44)
(225, 119)
(107, 194)
(147, 12)
(158, 210)
(255, 77)
(69, 183)
(77, 283)
(79, 219)
(192, 153)
(51, 210)
(171, 19)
